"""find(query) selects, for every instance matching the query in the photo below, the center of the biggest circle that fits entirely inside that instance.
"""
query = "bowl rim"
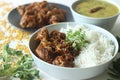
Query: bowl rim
(74, 68)
(84, 16)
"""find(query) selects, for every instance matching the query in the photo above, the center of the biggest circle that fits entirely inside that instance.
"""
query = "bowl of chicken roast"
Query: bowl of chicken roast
(73, 51)
(32, 16)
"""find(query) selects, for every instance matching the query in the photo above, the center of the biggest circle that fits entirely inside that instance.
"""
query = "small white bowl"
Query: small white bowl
(65, 73)
(106, 23)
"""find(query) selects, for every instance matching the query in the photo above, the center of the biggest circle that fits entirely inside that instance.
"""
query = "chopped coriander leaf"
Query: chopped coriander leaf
(114, 72)
(25, 62)
(10, 51)
(28, 74)
(16, 64)
(77, 38)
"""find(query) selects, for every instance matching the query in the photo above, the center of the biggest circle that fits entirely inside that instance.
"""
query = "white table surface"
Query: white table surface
(115, 30)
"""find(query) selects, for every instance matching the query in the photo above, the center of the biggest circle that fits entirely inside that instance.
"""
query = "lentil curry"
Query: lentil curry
(96, 8)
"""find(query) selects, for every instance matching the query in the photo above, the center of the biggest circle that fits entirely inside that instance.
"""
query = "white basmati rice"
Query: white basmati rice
(98, 51)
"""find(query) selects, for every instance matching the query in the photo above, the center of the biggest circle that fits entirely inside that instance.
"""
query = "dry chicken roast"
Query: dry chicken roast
(39, 14)
(53, 48)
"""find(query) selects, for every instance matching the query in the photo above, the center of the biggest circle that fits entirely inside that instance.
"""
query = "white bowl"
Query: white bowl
(106, 23)
(65, 73)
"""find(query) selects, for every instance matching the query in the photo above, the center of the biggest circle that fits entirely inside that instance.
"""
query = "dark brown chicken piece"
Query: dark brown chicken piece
(57, 16)
(73, 51)
(56, 35)
(41, 21)
(27, 21)
(44, 51)
(21, 10)
(65, 60)
(43, 34)
(61, 47)
(42, 13)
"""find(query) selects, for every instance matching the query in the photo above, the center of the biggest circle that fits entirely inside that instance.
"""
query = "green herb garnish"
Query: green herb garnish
(13, 63)
(77, 37)
(114, 71)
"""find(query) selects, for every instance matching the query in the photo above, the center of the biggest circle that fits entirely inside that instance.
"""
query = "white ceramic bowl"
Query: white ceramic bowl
(65, 73)
(106, 23)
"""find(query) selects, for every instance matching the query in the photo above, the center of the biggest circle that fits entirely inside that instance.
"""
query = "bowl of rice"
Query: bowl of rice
(97, 49)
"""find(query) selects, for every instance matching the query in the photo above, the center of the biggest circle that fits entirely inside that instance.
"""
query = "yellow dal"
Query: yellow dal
(84, 7)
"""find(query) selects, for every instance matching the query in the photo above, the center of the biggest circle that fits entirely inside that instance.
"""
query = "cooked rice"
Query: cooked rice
(98, 51)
